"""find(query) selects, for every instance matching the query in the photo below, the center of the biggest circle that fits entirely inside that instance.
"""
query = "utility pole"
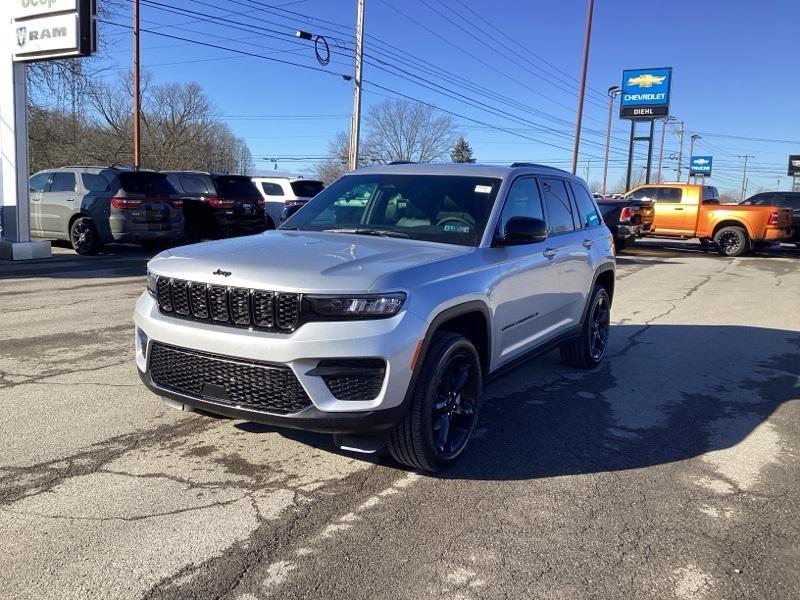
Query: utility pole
(586, 170)
(744, 173)
(582, 87)
(355, 121)
(680, 150)
(137, 101)
(613, 92)
(694, 137)
(661, 147)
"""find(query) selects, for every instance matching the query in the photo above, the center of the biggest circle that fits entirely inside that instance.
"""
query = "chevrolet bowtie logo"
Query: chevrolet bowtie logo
(221, 272)
(646, 80)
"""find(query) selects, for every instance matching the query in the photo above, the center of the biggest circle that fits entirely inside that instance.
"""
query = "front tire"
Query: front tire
(731, 241)
(444, 406)
(83, 236)
(587, 350)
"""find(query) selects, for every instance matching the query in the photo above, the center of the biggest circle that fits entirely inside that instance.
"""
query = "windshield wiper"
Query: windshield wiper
(371, 231)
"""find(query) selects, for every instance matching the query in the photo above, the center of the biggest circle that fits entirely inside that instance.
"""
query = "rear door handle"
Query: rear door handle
(588, 243)
(550, 252)
(678, 208)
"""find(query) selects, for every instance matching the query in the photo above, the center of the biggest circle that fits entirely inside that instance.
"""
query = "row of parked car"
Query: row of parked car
(93, 206)
(685, 211)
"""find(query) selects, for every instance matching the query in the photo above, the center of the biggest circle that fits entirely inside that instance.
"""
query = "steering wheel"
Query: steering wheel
(455, 220)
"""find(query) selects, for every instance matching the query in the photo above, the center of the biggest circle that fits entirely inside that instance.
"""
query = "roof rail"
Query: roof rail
(402, 162)
(537, 166)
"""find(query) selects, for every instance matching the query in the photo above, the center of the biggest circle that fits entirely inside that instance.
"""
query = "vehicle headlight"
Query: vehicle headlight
(151, 283)
(378, 306)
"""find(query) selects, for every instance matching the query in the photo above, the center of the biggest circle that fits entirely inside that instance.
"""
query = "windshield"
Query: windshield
(237, 187)
(436, 208)
(306, 189)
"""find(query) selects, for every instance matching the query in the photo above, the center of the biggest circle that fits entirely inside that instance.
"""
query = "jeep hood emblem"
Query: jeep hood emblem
(221, 272)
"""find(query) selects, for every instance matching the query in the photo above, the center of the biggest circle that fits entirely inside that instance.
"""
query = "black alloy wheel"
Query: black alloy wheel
(586, 351)
(443, 407)
(600, 327)
(731, 241)
(83, 236)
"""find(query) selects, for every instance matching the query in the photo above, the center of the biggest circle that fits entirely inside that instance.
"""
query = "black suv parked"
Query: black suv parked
(783, 200)
(217, 205)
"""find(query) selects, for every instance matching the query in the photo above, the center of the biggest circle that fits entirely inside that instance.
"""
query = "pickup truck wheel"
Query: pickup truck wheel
(731, 241)
(587, 350)
(444, 406)
(83, 236)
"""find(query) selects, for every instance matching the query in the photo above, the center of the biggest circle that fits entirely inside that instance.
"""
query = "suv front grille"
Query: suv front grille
(227, 381)
(237, 307)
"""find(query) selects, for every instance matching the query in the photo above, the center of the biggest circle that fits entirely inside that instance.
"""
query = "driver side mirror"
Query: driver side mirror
(523, 230)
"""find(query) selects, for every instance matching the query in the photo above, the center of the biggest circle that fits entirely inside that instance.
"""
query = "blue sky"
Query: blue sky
(732, 73)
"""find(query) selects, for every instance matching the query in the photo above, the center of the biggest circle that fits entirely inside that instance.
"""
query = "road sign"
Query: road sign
(794, 165)
(701, 165)
(50, 29)
(645, 93)
(24, 9)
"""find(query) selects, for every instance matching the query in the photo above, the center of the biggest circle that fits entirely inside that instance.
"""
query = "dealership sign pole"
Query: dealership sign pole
(645, 97)
(794, 171)
(32, 30)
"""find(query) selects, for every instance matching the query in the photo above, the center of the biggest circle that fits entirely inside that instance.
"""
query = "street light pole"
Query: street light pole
(613, 92)
(137, 101)
(680, 150)
(355, 121)
(661, 148)
(691, 154)
(582, 87)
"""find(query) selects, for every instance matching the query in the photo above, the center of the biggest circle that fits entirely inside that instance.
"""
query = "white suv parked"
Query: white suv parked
(378, 311)
(285, 192)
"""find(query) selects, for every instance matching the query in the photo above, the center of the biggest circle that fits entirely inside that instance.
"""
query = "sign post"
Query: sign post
(794, 171)
(32, 30)
(645, 97)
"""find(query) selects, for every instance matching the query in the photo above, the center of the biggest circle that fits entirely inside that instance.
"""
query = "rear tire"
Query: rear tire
(620, 244)
(732, 241)
(83, 236)
(587, 350)
(444, 406)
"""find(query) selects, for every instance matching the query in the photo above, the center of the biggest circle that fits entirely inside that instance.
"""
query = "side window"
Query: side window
(38, 183)
(173, 179)
(559, 208)
(193, 185)
(523, 200)
(587, 210)
(63, 182)
(656, 194)
(271, 189)
(94, 183)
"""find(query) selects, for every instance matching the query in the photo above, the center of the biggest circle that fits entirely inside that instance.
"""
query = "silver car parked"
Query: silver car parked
(92, 206)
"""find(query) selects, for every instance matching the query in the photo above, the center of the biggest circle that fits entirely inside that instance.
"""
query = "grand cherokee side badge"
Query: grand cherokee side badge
(221, 272)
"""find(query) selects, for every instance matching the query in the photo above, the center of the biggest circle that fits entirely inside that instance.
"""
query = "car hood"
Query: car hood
(300, 261)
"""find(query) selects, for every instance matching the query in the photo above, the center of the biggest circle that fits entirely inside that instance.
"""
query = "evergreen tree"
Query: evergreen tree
(462, 151)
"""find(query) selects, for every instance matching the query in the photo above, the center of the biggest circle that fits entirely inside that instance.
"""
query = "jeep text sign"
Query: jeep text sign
(24, 9)
(794, 165)
(645, 93)
(701, 165)
(46, 36)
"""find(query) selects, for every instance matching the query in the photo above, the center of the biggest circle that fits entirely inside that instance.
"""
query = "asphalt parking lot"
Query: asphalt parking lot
(670, 472)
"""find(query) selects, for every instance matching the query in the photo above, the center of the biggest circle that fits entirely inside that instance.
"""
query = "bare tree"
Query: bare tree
(336, 164)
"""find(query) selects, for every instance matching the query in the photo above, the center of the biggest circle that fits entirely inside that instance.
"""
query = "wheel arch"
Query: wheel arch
(605, 277)
(74, 218)
(732, 223)
(470, 319)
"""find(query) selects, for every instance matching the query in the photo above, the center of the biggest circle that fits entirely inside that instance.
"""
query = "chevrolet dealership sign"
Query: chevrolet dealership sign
(645, 93)
(701, 165)
(50, 29)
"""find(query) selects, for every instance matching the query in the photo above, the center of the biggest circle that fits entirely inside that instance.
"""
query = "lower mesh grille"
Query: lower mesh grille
(352, 379)
(227, 381)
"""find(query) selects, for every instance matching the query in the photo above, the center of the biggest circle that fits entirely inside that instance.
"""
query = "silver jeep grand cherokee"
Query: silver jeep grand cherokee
(378, 310)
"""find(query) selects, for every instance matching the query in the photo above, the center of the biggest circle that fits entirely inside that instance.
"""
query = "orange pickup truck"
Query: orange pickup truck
(683, 210)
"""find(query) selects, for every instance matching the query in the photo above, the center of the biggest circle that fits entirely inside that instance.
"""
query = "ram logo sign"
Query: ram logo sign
(47, 37)
(700, 165)
(645, 93)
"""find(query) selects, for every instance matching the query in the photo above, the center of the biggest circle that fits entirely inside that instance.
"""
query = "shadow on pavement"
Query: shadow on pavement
(665, 393)
(115, 261)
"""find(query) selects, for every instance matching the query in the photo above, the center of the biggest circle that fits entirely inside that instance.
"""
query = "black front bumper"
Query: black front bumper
(309, 419)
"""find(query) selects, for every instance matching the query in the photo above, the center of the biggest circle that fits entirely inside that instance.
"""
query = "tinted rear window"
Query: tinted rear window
(237, 187)
(150, 184)
(306, 189)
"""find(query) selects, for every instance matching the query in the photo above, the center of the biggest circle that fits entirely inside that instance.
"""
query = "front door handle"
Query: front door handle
(550, 252)
(678, 208)
(588, 243)
(70, 199)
